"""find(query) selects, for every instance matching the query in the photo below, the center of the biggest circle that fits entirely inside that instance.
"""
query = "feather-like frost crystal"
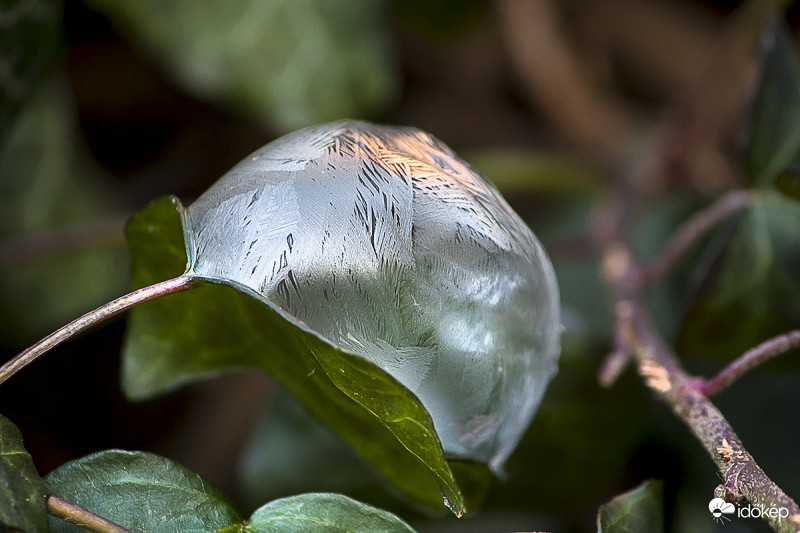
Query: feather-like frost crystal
(385, 243)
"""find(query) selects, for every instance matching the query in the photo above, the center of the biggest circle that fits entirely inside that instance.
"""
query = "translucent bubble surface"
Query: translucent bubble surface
(389, 246)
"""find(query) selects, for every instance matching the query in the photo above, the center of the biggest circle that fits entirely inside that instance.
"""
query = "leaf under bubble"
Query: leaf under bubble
(384, 281)
(215, 328)
(384, 242)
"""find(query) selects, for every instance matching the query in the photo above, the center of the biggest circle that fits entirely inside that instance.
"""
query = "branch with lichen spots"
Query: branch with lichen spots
(662, 372)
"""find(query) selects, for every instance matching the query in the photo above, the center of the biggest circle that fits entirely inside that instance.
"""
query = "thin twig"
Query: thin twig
(656, 361)
(749, 360)
(663, 373)
(612, 367)
(81, 517)
(105, 311)
(694, 229)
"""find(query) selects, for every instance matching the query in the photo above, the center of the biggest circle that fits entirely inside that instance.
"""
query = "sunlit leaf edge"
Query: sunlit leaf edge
(361, 411)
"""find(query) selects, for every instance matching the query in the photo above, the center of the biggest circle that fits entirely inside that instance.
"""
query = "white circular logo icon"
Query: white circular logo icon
(719, 508)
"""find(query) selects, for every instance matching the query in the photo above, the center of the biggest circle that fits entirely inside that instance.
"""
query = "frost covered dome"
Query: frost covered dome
(389, 246)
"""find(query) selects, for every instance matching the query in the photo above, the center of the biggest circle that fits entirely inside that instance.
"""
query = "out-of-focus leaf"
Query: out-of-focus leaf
(774, 132)
(753, 292)
(439, 20)
(640, 509)
(292, 452)
(286, 64)
(29, 33)
(47, 197)
(788, 183)
(22, 492)
(141, 492)
(519, 172)
(214, 328)
(325, 513)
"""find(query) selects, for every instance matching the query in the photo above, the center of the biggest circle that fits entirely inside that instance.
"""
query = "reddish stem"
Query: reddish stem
(749, 360)
(104, 312)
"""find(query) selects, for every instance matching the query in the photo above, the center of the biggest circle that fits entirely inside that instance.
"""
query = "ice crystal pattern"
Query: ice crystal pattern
(388, 245)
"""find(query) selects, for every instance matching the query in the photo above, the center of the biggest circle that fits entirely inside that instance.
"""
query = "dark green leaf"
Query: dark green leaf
(324, 513)
(439, 20)
(29, 35)
(640, 509)
(788, 183)
(753, 292)
(288, 64)
(215, 328)
(22, 492)
(774, 133)
(141, 492)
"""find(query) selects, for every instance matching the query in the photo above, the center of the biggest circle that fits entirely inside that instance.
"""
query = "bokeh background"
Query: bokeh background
(109, 104)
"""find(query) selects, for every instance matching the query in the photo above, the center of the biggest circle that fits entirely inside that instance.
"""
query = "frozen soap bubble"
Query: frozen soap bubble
(389, 246)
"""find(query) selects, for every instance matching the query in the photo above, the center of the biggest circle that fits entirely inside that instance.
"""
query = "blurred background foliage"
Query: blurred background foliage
(109, 104)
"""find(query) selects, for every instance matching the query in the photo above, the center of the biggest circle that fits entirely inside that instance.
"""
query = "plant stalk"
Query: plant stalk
(749, 360)
(104, 312)
(81, 517)
(662, 372)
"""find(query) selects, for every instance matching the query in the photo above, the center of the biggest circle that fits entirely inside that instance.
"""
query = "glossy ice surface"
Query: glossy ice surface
(388, 245)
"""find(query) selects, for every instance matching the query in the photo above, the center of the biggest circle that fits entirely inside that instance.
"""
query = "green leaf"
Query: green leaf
(753, 283)
(214, 328)
(28, 40)
(754, 287)
(324, 513)
(774, 129)
(788, 183)
(640, 509)
(23, 494)
(439, 21)
(141, 492)
(285, 64)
